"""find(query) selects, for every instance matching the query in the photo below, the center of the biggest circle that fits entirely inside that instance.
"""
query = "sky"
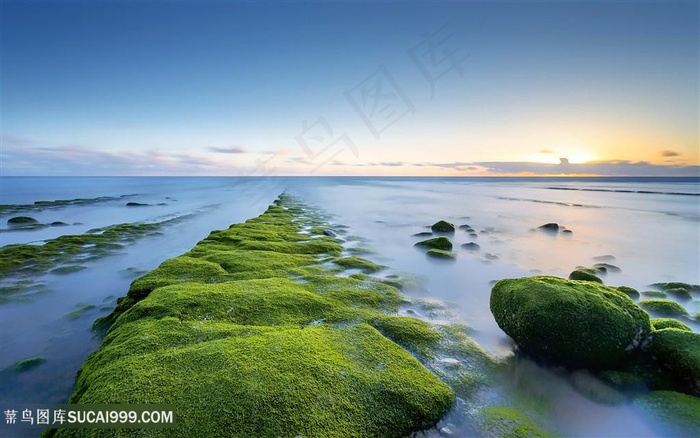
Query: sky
(350, 88)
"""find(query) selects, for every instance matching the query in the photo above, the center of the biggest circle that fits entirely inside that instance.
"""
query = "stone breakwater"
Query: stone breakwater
(252, 334)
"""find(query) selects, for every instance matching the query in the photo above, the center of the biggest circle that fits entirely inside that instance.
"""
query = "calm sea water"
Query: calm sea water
(650, 226)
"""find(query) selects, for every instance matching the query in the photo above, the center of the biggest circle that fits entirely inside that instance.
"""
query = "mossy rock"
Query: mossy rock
(441, 242)
(673, 413)
(423, 234)
(679, 294)
(663, 323)
(595, 389)
(551, 227)
(249, 335)
(677, 285)
(471, 246)
(629, 291)
(440, 254)
(652, 294)
(627, 382)
(584, 275)
(22, 220)
(663, 307)
(679, 352)
(26, 364)
(577, 323)
(443, 227)
(504, 421)
(364, 265)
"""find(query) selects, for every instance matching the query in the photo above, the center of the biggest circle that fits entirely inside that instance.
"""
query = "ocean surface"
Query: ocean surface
(650, 227)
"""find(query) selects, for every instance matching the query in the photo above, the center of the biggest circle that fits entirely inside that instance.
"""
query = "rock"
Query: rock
(465, 227)
(674, 414)
(22, 220)
(582, 324)
(58, 224)
(329, 233)
(679, 352)
(594, 389)
(663, 307)
(629, 291)
(136, 204)
(26, 364)
(441, 254)
(423, 234)
(677, 285)
(436, 243)
(567, 232)
(473, 235)
(679, 294)
(550, 227)
(653, 294)
(443, 227)
(582, 275)
(607, 267)
(663, 323)
(471, 246)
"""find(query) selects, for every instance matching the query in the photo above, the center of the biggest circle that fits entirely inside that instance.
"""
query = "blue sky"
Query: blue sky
(407, 88)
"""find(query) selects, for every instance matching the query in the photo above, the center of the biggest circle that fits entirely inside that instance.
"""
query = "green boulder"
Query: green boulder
(678, 351)
(663, 307)
(443, 227)
(577, 323)
(584, 275)
(442, 243)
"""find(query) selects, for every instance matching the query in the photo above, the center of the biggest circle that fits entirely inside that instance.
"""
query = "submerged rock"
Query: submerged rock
(441, 242)
(58, 224)
(679, 293)
(679, 352)
(471, 246)
(676, 413)
(26, 364)
(584, 275)
(423, 234)
(441, 254)
(663, 307)
(136, 204)
(550, 227)
(582, 324)
(443, 227)
(22, 220)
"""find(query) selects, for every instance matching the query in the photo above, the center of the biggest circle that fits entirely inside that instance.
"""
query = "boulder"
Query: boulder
(583, 275)
(678, 351)
(576, 323)
(442, 243)
(443, 227)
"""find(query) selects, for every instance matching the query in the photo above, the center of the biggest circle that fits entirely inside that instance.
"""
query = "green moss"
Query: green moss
(679, 294)
(21, 220)
(508, 422)
(299, 352)
(80, 311)
(629, 291)
(579, 323)
(358, 263)
(662, 323)
(679, 352)
(674, 414)
(441, 242)
(440, 254)
(59, 203)
(663, 307)
(629, 383)
(677, 285)
(443, 227)
(584, 275)
(653, 294)
(26, 364)
(67, 269)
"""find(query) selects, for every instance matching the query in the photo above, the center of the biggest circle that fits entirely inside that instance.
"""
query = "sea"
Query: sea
(648, 227)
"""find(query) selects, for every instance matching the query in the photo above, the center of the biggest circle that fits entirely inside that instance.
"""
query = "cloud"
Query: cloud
(564, 161)
(546, 151)
(602, 168)
(228, 150)
(669, 153)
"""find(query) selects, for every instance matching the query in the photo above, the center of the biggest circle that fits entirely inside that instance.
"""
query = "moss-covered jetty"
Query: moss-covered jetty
(251, 333)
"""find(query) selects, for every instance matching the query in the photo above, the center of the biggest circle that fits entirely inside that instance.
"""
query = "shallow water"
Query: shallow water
(653, 236)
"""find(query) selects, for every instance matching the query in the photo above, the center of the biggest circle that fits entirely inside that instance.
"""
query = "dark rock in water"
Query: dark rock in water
(471, 246)
(22, 220)
(27, 364)
(443, 227)
(580, 274)
(679, 352)
(551, 227)
(607, 267)
(567, 232)
(440, 254)
(58, 224)
(582, 324)
(653, 294)
(442, 243)
(629, 291)
(465, 227)
(691, 288)
(473, 235)
(330, 233)
(679, 294)
(136, 204)
(423, 234)
(663, 307)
